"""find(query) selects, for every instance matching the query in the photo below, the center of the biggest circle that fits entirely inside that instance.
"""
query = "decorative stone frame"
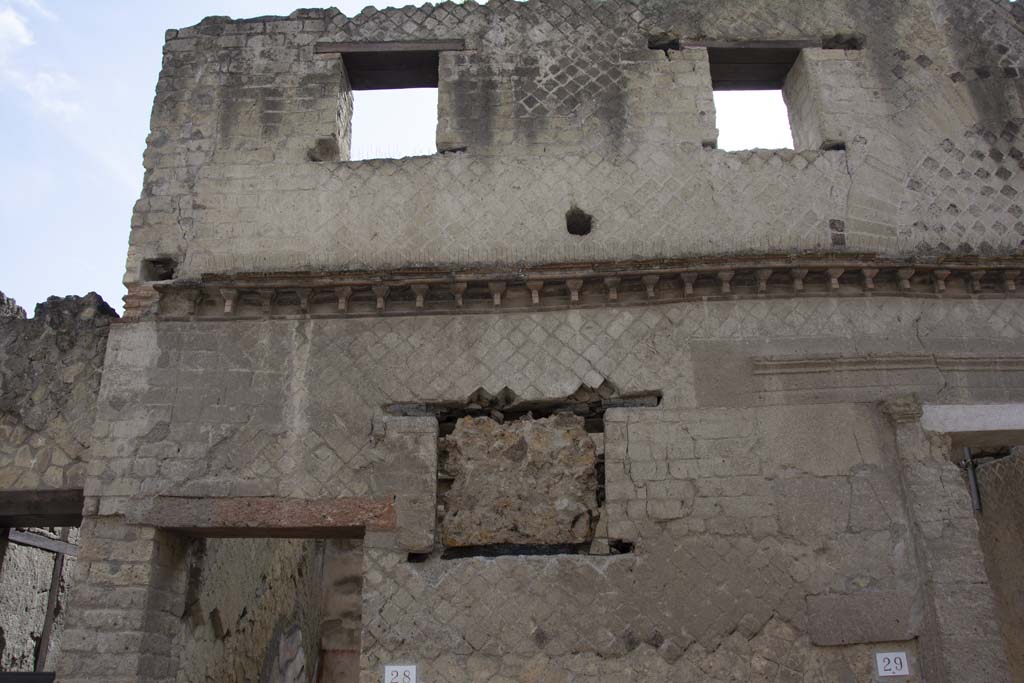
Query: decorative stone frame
(960, 639)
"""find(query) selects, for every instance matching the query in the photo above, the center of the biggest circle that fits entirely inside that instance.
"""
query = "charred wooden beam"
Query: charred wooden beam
(47, 507)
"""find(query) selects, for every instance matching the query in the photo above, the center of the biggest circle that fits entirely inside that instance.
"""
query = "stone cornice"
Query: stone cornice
(433, 291)
(912, 361)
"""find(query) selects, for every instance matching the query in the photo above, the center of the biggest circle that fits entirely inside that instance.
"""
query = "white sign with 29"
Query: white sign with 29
(892, 664)
(399, 674)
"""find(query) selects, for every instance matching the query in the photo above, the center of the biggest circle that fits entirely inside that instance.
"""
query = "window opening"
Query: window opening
(750, 110)
(158, 269)
(392, 124)
(752, 119)
(394, 104)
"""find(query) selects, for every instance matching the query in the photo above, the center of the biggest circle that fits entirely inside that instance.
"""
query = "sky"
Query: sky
(77, 79)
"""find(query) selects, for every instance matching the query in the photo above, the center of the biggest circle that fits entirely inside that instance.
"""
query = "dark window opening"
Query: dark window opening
(622, 547)
(843, 41)
(392, 65)
(664, 41)
(751, 68)
(391, 70)
(157, 269)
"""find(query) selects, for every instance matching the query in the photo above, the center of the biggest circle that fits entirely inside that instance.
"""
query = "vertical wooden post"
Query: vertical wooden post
(51, 604)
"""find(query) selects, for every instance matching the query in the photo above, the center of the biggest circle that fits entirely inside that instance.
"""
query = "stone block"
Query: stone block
(266, 517)
(812, 507)
(822, 440)
(865, 617)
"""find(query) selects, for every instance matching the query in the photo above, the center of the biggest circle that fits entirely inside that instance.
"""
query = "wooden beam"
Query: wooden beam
(391, 46)
(51, 603)
(266, 517)
(32, 540)
(53, 507)
(754, 45)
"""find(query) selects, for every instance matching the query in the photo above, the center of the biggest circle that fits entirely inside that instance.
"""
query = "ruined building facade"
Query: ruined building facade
(581, 397)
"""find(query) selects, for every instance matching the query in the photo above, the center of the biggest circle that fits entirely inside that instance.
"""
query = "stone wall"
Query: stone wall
(24, 584)
(50, 370)
(342, 611)
(300, 324)
(768, 417)
(724, 507)
(252, 612)
(285, 407)
(1002, 534)
(9, 308)
(558, 104)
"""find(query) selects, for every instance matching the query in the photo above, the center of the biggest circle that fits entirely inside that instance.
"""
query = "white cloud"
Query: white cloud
(51, 91)
(14, 33)
(38, 8)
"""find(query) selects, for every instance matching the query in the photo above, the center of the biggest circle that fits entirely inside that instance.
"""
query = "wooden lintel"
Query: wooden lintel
(34, 540)
(350, 532)
(391, 46)
(266, 517)
(753, 45)
(47, 507)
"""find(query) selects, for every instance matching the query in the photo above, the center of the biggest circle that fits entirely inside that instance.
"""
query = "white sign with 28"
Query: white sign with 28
(892, 664)
(399, 674)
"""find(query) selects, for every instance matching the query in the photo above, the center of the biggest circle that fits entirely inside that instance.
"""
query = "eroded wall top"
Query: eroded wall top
(50, 369)
(907, 119)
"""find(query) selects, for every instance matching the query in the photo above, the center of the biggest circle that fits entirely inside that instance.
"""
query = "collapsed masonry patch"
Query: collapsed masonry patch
(531, 481)
(523, 477)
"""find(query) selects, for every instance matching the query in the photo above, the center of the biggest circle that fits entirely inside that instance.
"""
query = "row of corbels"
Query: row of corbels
(651, 281)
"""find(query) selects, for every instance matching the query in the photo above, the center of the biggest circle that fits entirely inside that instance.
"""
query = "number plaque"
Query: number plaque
(399, 674)
(892, 664)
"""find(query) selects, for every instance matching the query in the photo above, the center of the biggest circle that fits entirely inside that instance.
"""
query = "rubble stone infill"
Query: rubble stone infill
(523, 482)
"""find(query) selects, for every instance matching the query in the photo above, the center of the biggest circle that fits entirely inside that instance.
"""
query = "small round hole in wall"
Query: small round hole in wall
(578, 222)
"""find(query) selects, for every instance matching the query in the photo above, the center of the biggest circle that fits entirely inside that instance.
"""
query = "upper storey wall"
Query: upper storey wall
(560, 103)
